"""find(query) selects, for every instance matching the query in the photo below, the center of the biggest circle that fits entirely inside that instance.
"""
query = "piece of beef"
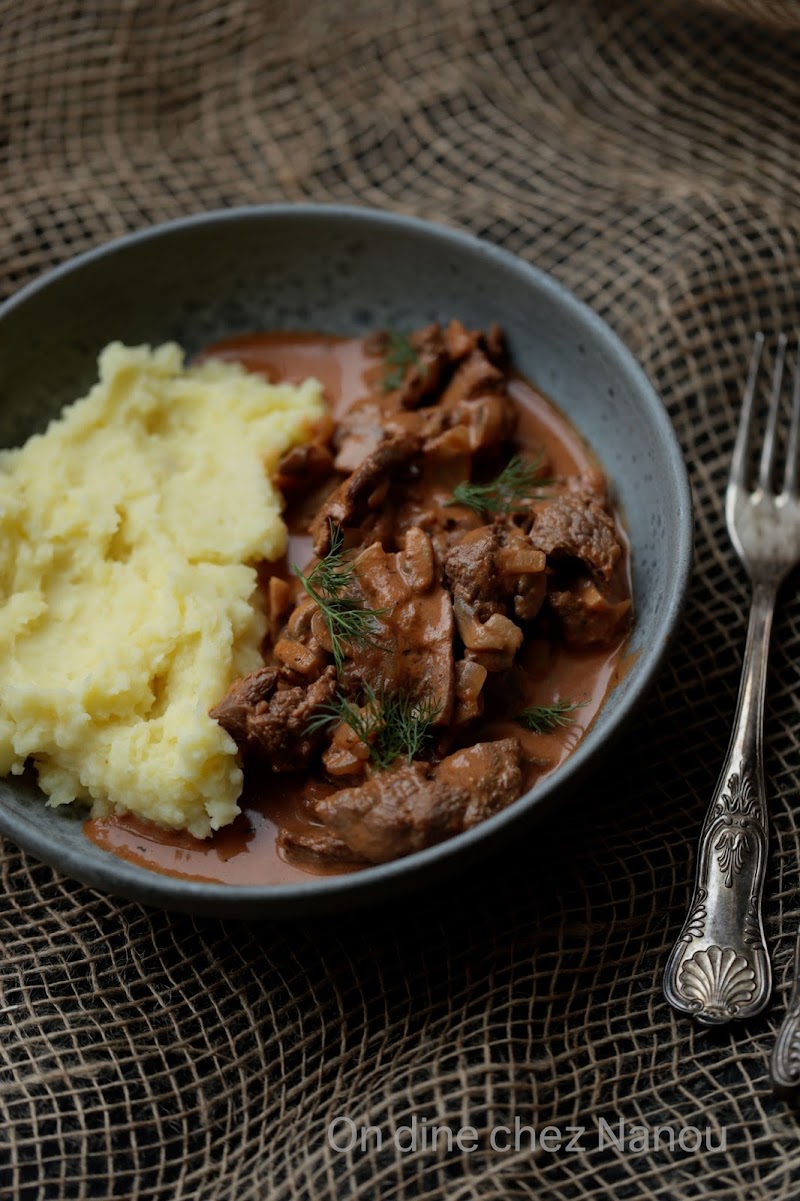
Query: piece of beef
(577, 526)
(494, 572)
(365, 491)
(302, 469)
(241, 700)
(469, 576)
(423, 503)
(437, 355)
(461, 342)
(271, 723)
(411, 648)
(490, 773)
(358, 435)
(445, 528)
(453, 398)
(394, 813)
(476, 376)
(413, 806)
(588, 618)
(424, 377)
(474, 427)
(495, 567)
(316, 843)
(474, 415)
(576, 529)
(495, 343)
(365, 425)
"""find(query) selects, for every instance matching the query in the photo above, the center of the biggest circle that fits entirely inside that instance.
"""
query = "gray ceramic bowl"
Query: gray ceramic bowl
(347, 270)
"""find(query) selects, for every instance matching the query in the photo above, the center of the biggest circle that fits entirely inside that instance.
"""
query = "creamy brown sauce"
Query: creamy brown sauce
(245, 852)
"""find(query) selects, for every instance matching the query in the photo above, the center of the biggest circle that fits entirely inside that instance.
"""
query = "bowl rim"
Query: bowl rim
(121, 877)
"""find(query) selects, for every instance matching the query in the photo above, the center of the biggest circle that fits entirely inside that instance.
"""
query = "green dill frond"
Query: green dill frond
(347, 620)
(333, 573)
(391, 725)
(543, 719)
(407, 722)
(364, 721)
(518, 482)
(399, 356)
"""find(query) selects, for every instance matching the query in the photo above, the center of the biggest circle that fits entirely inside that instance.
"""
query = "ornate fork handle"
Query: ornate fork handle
(719, 968)
(785, 1064)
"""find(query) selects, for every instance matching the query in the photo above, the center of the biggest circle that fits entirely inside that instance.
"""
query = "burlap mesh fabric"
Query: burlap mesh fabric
(646, 155)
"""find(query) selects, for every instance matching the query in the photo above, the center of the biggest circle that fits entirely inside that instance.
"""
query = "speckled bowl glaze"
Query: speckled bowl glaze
(348, 270)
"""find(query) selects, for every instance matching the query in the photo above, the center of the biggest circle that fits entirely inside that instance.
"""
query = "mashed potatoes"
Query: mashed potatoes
(128, 596)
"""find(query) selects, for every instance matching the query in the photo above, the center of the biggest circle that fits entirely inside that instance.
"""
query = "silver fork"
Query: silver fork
(719, 968)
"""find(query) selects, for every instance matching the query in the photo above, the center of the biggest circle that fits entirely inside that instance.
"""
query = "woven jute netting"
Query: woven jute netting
(646, 155)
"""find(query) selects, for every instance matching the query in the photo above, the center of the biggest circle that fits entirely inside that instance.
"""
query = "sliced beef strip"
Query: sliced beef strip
(476, 376)
(438, 354)
(412, 806)
(453, 399)
(412, 646)
(577, 526)
(474, 415)
(365, 426)
(461, 342)
(270, 723)
(365, 491)
(495, 342)
(358, 435)
(424, 378)
(476, 427)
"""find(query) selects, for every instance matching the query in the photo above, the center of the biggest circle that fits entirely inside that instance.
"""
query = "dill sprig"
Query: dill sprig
(391, 725)
(518, 482)
(399, 356)
(334, 573)
(543, 719)
(347, 620)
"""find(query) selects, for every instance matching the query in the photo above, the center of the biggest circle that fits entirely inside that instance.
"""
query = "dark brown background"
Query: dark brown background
(646, 154)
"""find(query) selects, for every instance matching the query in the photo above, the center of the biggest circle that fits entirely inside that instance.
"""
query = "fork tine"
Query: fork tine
(768, 449)
(738, 474)
(790, 480)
